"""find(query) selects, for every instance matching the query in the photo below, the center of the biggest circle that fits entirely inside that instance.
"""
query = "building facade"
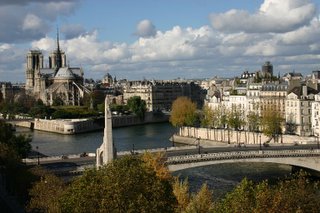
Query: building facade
(56, 84)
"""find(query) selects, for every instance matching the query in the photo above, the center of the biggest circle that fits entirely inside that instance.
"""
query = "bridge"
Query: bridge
(306, 158)
(179, 158)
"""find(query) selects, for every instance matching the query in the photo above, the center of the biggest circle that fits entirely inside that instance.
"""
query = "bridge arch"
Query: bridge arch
(309, 159)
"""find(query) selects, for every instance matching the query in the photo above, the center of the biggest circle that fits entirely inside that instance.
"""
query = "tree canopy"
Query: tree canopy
(183, 112)
(124, 185)
(137, 106)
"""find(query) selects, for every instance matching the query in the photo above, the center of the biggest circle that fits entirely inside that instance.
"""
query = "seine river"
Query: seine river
(220, 178)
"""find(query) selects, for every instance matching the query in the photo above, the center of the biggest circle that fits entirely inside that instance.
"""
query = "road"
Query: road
(73, 164)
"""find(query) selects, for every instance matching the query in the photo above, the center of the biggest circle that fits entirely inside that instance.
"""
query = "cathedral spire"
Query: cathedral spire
(58, 53)
(58, 46)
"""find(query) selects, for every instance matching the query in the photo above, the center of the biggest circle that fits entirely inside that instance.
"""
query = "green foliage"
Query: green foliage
(296, 194)
(235, 119)
(73, 112)
(207, 117)
(271, 122)
(124, 185)
(240, 199)
(253, 121)
(181, 192)
(183, 112)
(137, 106)
(45, 191)
(18, 143)
(119, 108)
(40, 110)
(57, 101)
(201, 202)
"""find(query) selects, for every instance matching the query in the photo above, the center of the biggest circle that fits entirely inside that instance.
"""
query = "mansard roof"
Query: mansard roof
(299, 91)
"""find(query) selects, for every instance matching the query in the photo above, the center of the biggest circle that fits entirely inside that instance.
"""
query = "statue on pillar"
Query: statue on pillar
(106, 152)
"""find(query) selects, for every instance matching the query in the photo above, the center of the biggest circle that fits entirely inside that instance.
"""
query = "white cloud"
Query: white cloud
(275, 16)
(145, 28)
(238, 41)
(32, 22)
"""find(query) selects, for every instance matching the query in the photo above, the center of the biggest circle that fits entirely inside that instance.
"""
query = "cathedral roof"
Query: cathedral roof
(65, 73)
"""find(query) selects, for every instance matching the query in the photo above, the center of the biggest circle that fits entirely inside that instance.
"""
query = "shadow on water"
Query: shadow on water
(222, 178)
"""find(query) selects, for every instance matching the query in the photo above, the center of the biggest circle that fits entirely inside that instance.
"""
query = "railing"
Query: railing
(242, 155)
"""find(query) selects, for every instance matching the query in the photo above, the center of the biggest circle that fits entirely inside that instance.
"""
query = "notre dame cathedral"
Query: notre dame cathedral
(56, 83)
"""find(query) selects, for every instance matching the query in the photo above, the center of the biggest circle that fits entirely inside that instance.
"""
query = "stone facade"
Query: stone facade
(56, 84)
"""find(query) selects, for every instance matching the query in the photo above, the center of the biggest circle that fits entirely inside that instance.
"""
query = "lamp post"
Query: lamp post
(199, 151)
(133, 148)
(38, 155)
(260, 147)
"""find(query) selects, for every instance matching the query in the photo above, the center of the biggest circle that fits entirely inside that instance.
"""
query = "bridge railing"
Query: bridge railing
(242, 155)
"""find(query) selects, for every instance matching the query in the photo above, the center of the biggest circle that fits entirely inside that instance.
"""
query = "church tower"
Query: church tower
(34, 63)
(57, 58)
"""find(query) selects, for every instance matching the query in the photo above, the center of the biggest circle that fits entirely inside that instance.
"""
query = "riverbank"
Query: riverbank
(214, 137)
(76, 126)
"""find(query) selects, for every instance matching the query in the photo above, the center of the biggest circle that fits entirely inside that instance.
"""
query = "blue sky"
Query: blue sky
(163, 39)
(117, 19)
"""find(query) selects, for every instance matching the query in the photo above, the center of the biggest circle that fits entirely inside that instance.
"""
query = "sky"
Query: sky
(164, 39)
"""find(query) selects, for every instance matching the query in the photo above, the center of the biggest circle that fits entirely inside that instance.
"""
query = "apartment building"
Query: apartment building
(159, 95)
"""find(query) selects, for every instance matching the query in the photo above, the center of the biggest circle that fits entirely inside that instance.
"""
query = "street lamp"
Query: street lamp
(38, 155)
(260, 141)
(199, 151)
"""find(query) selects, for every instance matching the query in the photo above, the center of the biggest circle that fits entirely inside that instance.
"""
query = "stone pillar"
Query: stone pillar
(105, 153)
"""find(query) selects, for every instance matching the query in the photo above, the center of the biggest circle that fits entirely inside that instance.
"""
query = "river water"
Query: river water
(221, 178)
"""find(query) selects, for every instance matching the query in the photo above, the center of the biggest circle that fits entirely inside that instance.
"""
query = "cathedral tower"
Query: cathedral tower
(34, 63)
(57, 58)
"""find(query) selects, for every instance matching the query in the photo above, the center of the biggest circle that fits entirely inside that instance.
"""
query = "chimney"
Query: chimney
(304, 91)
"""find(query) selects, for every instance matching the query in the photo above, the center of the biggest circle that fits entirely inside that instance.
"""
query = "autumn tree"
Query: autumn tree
(127, 184)
(182, 194)
(207, 117)
(271, 123)
(294, 194)
(201, 202)
(241, 199)
(183, 112)
(45, 192)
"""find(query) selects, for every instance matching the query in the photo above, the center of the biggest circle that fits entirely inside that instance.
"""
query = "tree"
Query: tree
(271, 123)
(181, 192)
(241, 199)
(207, 116)
(137, 106)
(124, 185)
(291, 126)
(201, 202)
(183, 112)
(235, 119)
(296, 194)
(19, 143)
(45, 192)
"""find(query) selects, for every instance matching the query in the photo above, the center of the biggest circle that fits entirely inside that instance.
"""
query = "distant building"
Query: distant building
(58, 82)
(8, 91)
(299, 110)
(159, 95)
(267, 69)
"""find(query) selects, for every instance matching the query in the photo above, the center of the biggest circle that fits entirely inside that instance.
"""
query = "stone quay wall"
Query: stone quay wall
(233, 137)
